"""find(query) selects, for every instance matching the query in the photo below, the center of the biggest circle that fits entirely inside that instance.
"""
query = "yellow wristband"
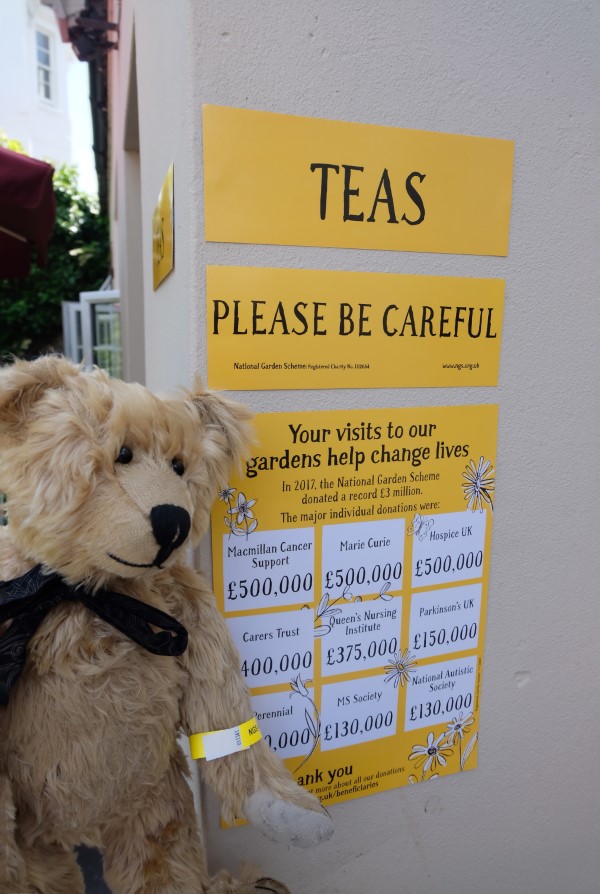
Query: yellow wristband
(225, 741)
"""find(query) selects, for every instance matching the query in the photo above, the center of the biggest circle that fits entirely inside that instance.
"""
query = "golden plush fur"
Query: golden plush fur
(88, 741)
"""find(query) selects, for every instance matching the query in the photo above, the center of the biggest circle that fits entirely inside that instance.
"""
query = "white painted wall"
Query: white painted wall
(44, 128)
(125, 199)
(527, 820)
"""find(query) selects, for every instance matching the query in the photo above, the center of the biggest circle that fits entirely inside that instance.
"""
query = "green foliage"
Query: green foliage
(13, 145)
(78, 261)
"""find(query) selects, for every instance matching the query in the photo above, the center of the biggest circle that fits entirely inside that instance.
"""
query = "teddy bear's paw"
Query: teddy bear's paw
(264, 886)
(287, 823)
(249, 882)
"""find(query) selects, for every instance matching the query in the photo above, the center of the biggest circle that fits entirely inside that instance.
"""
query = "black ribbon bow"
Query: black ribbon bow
(26, 600)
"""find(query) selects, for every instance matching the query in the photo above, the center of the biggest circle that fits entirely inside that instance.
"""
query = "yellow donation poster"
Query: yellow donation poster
(351, 561)
(290, 180)
(275, 328)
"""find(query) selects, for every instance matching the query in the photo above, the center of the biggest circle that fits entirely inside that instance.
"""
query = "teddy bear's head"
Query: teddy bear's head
(103, 478)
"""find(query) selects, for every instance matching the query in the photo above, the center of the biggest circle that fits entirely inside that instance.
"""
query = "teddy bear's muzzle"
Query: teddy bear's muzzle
(170, 526)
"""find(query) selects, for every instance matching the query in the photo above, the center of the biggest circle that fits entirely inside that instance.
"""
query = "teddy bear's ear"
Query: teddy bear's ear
(231, 419)
(23, 382)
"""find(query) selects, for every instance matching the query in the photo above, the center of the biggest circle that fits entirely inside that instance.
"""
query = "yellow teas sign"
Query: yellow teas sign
(273, 328)
(289, 180)
(351, 561)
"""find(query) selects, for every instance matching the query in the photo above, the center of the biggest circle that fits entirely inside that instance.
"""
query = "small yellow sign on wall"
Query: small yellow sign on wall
(273, 328)
(163, 231)
(289, 180)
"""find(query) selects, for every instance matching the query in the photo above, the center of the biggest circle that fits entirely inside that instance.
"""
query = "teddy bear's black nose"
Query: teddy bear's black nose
(170, 526)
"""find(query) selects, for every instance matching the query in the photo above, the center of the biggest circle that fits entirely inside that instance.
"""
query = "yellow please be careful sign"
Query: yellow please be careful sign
(274, 328)
(290, 180)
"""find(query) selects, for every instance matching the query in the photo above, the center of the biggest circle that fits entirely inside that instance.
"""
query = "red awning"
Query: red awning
(27, 211)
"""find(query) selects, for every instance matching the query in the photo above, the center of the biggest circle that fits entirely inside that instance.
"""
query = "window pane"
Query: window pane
(107, 339)
(44, 83)
(44, 65)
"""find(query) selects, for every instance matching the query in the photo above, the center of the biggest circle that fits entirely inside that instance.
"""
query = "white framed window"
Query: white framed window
(101, 330)
(43, 55)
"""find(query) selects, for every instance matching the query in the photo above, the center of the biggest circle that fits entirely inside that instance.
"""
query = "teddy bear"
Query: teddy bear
(112, 646)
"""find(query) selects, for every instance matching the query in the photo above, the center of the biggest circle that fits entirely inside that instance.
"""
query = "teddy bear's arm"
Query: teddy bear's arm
(253, 783)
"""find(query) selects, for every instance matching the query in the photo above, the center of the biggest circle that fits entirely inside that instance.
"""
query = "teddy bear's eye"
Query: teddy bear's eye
(178, 466)
(125, 455)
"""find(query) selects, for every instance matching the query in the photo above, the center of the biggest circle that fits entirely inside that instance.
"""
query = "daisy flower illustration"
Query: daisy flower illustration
(479, 485)
(400, 668)
(242, 521)
(243, 510)
(431, 755)
(457, 727)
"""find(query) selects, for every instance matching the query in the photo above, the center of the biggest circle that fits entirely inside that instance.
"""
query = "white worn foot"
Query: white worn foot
(287, 823)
